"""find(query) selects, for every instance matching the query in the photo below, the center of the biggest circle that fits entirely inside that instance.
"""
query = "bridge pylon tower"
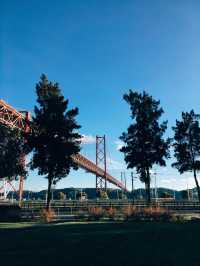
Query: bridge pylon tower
(101, 181)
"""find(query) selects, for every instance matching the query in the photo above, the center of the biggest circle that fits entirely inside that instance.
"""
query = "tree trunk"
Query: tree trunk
(147, 185)
(197, 184)
(148, 193)
(49, 193)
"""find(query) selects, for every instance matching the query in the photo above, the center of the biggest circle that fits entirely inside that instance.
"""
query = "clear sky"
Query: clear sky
(97, 50)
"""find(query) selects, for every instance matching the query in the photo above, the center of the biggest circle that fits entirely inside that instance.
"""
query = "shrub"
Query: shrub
(95, 213)
(156, 213)
(111, 212)
(129, 211)
(149, 213)
(47, 215)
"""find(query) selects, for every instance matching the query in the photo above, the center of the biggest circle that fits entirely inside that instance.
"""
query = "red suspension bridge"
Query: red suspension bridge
(13, 118)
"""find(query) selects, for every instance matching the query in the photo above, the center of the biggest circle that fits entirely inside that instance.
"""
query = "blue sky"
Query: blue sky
(97, 50)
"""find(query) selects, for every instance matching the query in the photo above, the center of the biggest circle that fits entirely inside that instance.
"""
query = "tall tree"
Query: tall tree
(11, 150)
(144, 142)
(187, 145)
(54, 137)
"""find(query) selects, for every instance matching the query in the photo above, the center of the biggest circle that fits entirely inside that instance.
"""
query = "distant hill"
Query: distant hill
(72, 193)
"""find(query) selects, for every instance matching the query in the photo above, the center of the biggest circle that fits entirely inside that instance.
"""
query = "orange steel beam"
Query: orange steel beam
(91, 167)
(11, 117)
(14, 119)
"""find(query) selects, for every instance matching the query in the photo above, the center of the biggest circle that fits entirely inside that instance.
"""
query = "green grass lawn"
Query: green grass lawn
(95, 244)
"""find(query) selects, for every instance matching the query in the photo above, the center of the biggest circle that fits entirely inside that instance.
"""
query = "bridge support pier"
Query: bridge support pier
(101, 182)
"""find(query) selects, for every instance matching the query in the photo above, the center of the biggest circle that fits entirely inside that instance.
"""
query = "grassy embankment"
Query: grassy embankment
(99, 244)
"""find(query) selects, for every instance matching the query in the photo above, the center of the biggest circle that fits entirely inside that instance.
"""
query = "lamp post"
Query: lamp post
(155, 186)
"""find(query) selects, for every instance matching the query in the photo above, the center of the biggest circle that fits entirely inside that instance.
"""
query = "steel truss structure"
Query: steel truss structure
(101, 180)
(12, 118)
(6, 187)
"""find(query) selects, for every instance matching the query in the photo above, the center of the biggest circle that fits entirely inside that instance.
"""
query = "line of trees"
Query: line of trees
(54, 138)
(145, 144)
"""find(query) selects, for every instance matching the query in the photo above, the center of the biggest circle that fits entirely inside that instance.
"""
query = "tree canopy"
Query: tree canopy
(11, 152)
(54, 137)
(144, 142)
(187, 145)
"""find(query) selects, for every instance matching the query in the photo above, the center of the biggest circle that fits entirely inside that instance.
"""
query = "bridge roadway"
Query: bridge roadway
(12, 118)
(91, 167)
